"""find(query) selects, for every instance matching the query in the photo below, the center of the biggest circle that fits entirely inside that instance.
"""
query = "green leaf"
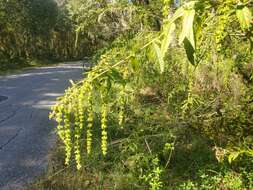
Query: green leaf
(159, 56)
(168, 37)
(181, 11)
(187, 34)
(232, 156)
(189, 51)
(250, 152)
(187, 27)
(116, 76)
(135, 64)
(244, 16)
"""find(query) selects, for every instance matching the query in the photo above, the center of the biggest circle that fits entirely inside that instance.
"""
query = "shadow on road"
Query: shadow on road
(26, 134)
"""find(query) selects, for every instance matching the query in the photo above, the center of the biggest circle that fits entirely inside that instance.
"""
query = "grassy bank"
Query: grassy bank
(149, 151)
(191, 168)
(168, 104)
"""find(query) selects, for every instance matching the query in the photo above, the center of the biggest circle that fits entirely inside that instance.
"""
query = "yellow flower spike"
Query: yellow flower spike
(89, 120)
(121, 103)
(104, 129)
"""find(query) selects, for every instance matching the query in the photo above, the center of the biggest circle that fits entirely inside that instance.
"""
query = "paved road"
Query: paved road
(26, 134)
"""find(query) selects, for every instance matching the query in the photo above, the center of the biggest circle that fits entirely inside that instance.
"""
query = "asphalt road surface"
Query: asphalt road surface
(26, 134)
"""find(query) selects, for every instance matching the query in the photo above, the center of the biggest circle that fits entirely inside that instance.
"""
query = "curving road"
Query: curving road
(26, 134)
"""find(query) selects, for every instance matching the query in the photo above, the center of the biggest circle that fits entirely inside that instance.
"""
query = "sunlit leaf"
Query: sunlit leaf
(135, 63)
(181, 11)
(232, 156)
(187, 34)
(168, 37)
(187, 27)
(244, 16)
(159, 56)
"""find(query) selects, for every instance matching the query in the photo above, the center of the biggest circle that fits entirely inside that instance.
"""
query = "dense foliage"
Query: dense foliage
(36, 29)
(171, 98)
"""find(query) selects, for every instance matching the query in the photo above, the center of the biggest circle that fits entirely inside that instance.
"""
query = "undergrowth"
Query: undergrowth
(149, 152)
(168, 104)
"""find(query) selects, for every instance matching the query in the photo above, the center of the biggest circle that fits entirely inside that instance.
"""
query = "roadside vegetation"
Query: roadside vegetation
(36, 31)
(168, 104)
